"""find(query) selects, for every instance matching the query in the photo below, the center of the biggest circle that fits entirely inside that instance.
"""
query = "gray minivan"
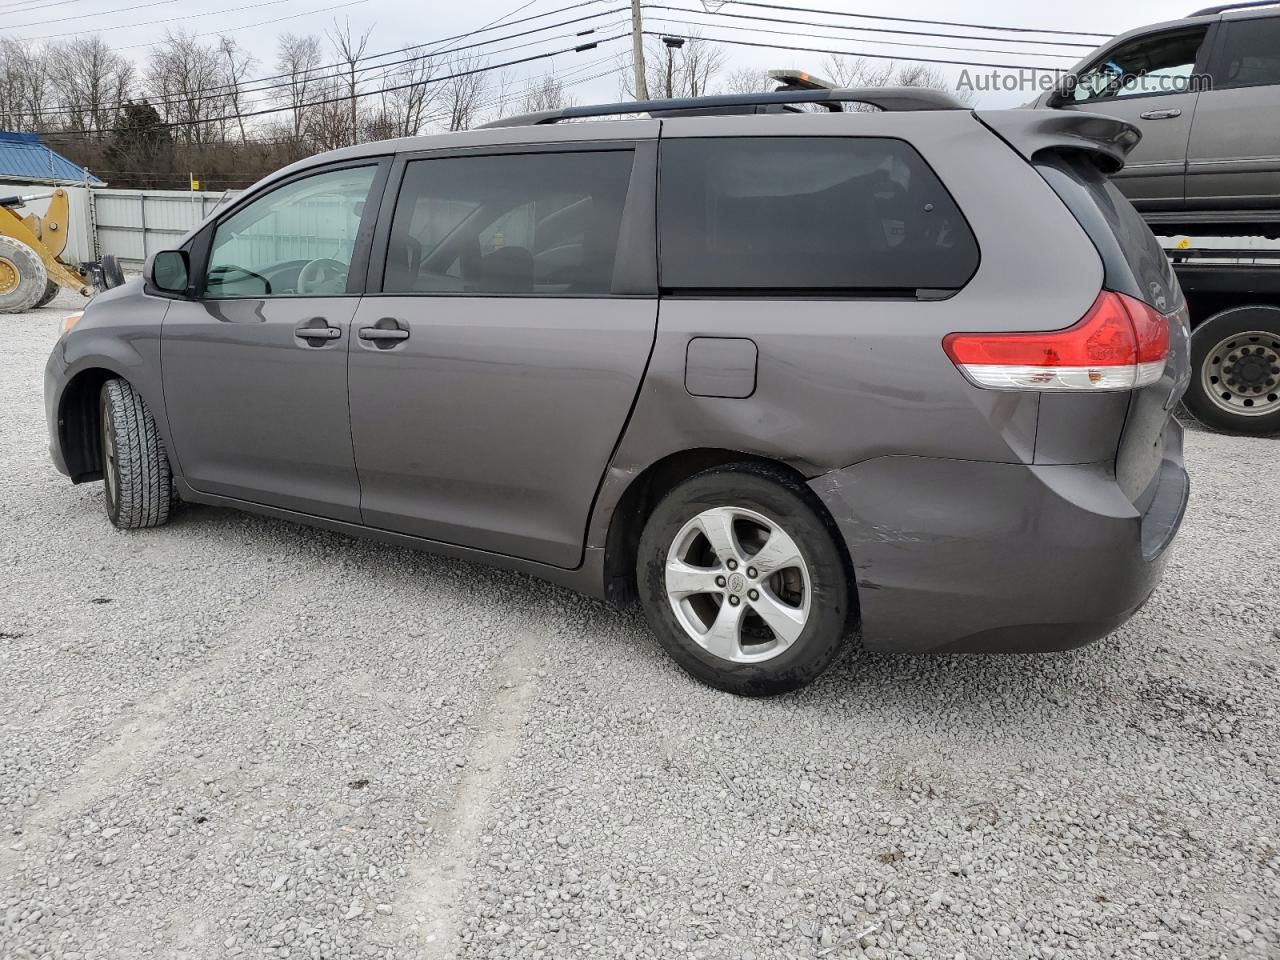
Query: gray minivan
(1205, 92)
(779, 374)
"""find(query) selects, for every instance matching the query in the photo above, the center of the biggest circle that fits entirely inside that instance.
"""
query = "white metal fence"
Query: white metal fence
(133, 224)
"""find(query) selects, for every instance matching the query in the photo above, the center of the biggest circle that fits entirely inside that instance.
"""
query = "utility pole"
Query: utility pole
(673, 44)
(637, 51)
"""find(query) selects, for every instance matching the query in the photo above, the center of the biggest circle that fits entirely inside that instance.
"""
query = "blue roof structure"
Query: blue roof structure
(24, 157)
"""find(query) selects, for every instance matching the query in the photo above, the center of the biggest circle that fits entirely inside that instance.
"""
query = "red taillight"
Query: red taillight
(1120, 344)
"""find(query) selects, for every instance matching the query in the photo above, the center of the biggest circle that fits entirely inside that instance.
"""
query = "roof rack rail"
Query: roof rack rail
(886, 98)
(1223, 8)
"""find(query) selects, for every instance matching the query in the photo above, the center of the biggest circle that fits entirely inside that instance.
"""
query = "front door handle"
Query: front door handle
(1161, 114)
(317, 332)
(386, 333)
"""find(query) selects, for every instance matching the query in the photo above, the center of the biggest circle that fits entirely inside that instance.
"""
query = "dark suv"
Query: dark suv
(1205, 92)
(778, 373)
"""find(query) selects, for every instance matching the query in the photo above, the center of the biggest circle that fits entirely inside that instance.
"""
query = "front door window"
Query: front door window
(297, 240)
(1149, 65)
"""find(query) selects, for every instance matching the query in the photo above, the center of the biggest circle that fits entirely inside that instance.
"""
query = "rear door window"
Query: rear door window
(1249, 55)
(1132, 257)
(530, 224)
(808, 214)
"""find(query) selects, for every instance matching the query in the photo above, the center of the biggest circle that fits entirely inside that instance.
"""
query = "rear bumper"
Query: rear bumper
(966, 556)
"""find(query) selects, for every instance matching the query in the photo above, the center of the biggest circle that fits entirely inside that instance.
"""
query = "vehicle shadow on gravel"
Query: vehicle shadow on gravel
(1028, 695)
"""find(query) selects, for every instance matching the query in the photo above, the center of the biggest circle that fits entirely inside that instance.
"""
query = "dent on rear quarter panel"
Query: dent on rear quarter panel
(842, 381)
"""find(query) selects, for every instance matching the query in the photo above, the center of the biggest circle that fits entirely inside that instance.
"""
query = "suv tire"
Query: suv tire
(1218, 346)
(137, 483)
(753, 632)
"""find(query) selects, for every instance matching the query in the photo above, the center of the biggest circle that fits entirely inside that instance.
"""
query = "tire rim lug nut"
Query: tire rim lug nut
(753, 594)
(732, 564)
(751, 572)
(720, 581)
(734, 601)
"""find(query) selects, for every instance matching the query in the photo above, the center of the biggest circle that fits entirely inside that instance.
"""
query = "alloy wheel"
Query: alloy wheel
(738, 584)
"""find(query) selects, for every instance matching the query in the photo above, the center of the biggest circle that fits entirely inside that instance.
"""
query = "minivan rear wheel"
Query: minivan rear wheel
(742, 582)
(1235, 384)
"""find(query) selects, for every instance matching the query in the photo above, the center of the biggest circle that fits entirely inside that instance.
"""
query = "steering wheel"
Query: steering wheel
(323, 276)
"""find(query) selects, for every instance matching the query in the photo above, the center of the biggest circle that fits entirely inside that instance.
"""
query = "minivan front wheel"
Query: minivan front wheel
(136, 481)
(742, 582)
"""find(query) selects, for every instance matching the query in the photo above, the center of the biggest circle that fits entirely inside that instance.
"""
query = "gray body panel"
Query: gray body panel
(1155, 172)
(510, 429)
(1233, 159)
(258, 413)
(492, 424)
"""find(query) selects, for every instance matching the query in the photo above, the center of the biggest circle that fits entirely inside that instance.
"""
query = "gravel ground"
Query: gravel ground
(238, 737)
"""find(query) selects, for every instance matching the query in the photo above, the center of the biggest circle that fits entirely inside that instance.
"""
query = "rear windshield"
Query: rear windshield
(808, 214)
(1133, 259)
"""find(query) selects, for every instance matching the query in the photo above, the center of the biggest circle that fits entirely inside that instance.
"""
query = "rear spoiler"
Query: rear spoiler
(1031, 132)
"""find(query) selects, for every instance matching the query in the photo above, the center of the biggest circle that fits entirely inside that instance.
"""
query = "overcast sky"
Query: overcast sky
(397, 23)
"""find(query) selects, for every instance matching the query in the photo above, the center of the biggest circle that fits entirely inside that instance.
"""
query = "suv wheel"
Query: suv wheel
(137, 484)
(742, 582)
(1235, 362)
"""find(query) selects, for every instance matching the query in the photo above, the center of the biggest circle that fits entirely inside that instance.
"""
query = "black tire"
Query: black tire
(786, 503)
(22, 276)
(1206, 363)
(50, 291)
(137, 483)
(112, 273)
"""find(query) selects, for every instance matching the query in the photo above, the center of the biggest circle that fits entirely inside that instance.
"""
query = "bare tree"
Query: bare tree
(23, 86)
(746, 80)
(464, 90)
(699, 63)
(694, 68)
(186, 81)
(845, 71)
(298, 60)
(408, 95)
(237, 64)
(503, 95)
(350, 51)
(92, 81)
(546, 93)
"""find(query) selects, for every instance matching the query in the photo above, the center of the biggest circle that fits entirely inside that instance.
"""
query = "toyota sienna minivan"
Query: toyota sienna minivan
(778, 374)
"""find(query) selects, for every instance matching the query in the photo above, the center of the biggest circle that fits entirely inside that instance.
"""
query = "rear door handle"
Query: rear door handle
(317, 329)
(377, 333)
(386, 333)
(1161, 114)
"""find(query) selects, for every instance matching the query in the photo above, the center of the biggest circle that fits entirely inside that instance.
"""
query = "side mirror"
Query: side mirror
(169, 271)
(1063, 92)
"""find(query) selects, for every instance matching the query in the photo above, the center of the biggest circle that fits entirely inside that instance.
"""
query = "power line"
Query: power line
(316, 76)
(250, 26)
(857, 53)
(840, 26)
(97, 13)
(887, 43)
(152, 23)
(930, 23)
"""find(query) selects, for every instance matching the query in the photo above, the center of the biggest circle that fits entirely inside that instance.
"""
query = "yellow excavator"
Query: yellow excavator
(31, 266)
